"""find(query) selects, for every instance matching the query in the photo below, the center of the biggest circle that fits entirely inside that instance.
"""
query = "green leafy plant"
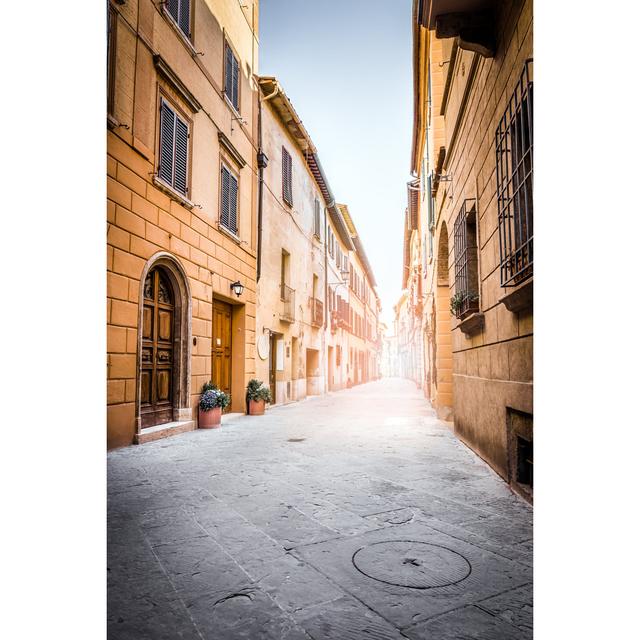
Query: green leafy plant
(456, 302)
(212, 398)
(208, 386)
(257, 391)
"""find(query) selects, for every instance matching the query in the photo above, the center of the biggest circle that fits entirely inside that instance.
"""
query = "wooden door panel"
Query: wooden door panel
(156, 374)
(164, 324)
(221, 346)
(164, 386)
(147, 323)
(145, 387)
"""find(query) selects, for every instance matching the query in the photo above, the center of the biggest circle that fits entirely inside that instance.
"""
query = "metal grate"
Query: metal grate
(287, 295)
(465, 247)
(317, 312)
(514, 172)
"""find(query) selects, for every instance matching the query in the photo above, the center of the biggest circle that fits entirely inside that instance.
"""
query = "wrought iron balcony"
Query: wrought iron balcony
(288, 298)
(317, 312)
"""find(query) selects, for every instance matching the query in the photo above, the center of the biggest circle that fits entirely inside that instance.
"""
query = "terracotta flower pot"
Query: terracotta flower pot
(209, 419)
(256, 407)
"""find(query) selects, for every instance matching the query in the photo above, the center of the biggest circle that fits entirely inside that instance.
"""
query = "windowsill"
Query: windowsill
(181, 34)
(519, 298)
(172, 193)
(229, 233)
(472, 323)
(230, 105)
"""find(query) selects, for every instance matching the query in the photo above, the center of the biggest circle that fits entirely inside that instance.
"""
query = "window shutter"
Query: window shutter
(316, 218)
(286, 177)
(167, 126)
(235, 82)
(228, 74)
(172, 8)
(233, 204)
(181, 156)
(224, 200)
(183, 18)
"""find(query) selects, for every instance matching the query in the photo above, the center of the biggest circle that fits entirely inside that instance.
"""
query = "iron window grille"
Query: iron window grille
(465, 300)
(180, 11)
(174, 149)
(287, 176)
(229, 201)
(231, 77)
(514, 173)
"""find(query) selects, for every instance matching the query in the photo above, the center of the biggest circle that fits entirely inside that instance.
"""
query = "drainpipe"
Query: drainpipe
(262, 163)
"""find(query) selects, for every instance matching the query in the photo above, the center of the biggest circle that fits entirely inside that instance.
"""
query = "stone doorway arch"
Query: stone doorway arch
(443, 351)
(170, 271)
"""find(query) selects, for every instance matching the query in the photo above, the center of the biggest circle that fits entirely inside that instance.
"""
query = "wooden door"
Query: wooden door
(156, 371)
(221, 347)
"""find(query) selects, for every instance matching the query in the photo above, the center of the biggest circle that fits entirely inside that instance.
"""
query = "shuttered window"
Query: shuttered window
(180, 11)
(287, 176)
(174, 149)
(231, 77)
(316, 218)
(229, 200)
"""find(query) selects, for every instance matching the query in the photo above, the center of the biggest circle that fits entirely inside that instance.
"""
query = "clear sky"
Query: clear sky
(346, 66)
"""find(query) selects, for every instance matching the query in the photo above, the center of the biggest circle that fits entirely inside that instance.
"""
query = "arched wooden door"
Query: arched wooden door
(156, 374)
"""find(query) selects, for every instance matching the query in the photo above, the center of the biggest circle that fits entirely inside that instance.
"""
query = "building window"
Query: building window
(465, 300)
(174, 149)
(316, 219)
(229, 200)
(112, 21)
(180, 11)
(231, 77)
(514, 172)
(287, 176)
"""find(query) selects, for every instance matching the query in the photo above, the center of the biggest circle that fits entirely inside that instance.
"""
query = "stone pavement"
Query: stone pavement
(353, 515)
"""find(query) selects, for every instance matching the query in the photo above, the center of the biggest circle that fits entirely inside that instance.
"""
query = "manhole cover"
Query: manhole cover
(413, 564)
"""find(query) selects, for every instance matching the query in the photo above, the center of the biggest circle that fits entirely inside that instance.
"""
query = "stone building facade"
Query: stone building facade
(364, 306)
(181, 210)
(472, 156)
(291, 285)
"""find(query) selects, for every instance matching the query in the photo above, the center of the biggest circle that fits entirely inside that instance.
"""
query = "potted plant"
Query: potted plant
(212, 402)
(257, 396)
(457, 302)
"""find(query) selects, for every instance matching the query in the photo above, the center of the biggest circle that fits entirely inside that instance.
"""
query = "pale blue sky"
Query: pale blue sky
(346, 66)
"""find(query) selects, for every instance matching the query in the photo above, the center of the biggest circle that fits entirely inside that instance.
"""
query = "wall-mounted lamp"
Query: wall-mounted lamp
(237, 287)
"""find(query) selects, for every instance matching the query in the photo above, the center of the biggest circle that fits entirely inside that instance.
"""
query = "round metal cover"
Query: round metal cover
(413, 564)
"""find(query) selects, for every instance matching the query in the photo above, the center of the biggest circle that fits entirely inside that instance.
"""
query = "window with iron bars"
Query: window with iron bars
(514, 172)
(465, 246)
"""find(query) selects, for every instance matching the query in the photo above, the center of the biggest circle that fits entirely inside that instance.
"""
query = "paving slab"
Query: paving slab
(353, 515)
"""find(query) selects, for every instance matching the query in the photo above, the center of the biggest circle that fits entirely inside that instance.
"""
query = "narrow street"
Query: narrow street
(353, 515)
